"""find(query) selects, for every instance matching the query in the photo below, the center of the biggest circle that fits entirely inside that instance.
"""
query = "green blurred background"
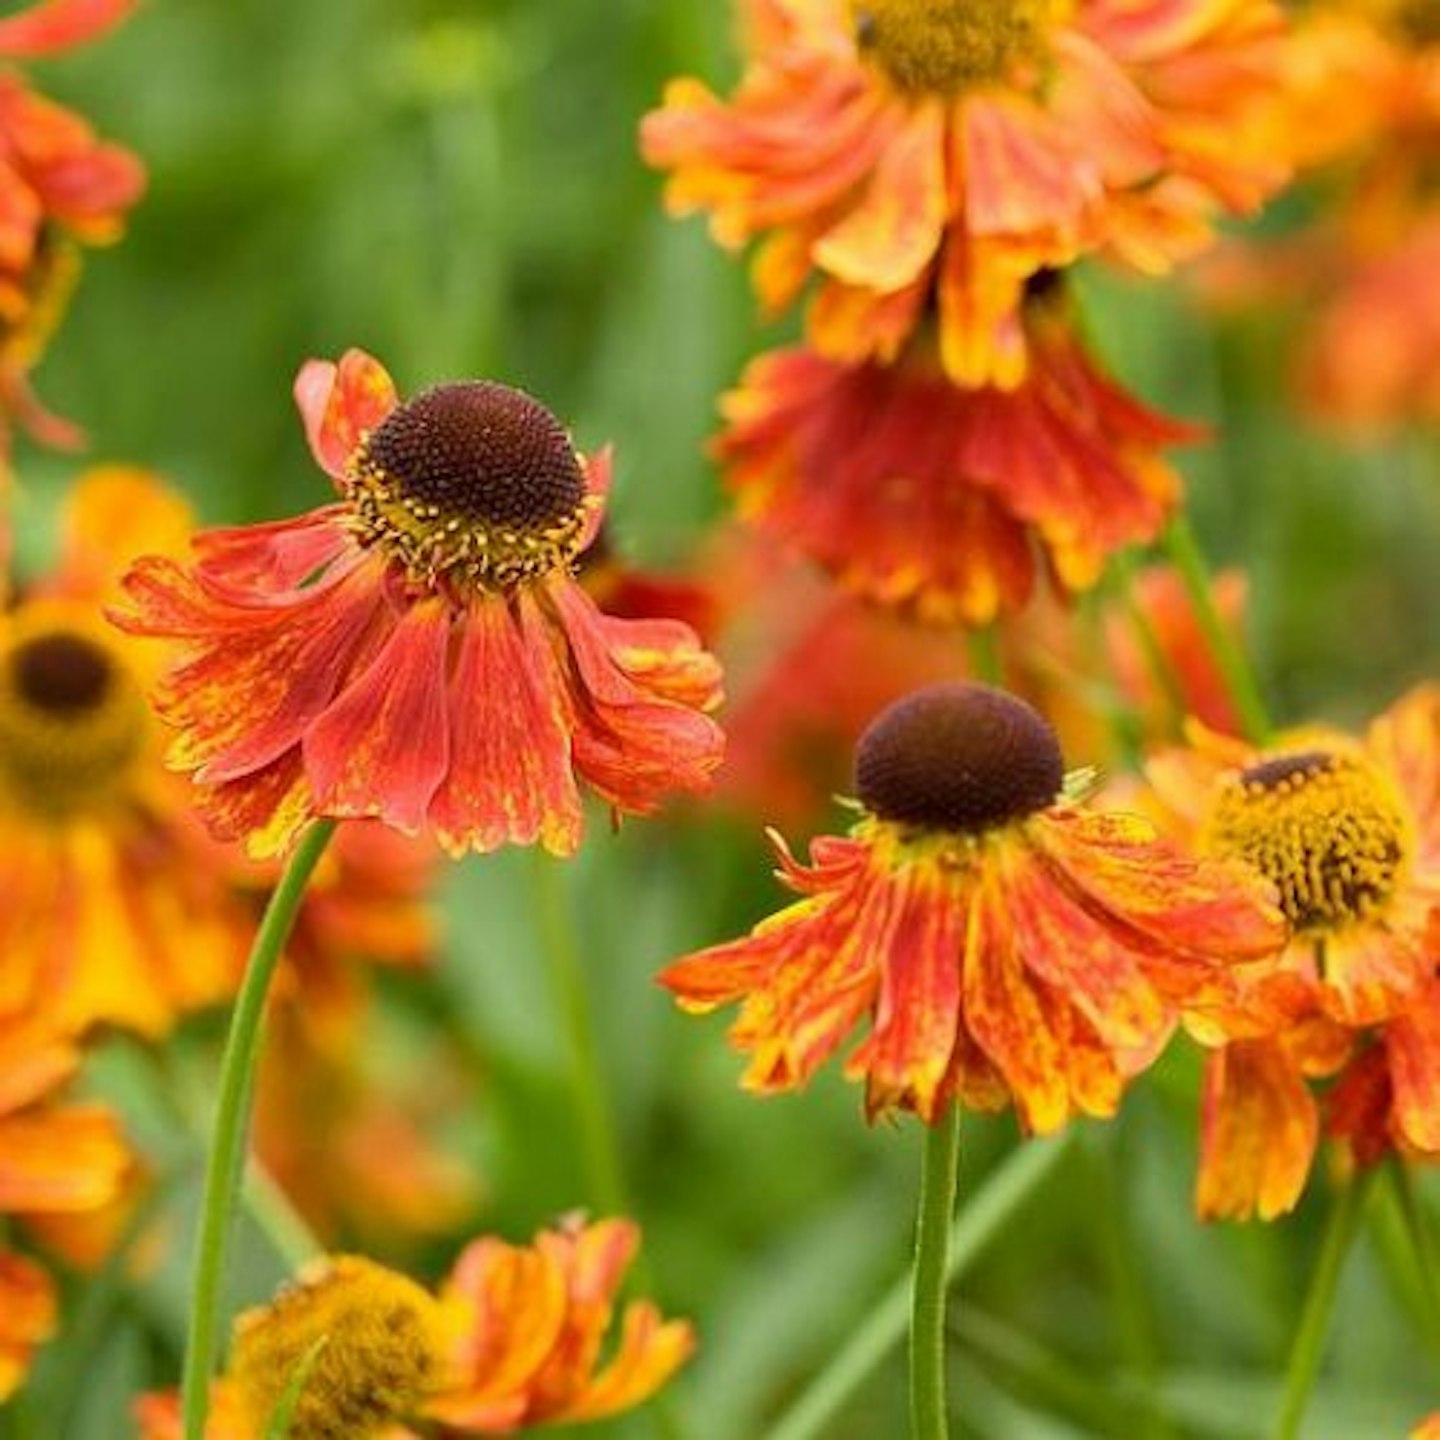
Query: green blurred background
(455, 187)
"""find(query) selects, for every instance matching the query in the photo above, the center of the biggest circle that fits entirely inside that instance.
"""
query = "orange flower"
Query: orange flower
(808, 667)
(334, 1097)
(53, 25)
(905, 150)
(1200, 688)
(1372, 356)
(532, 1321)
(114, 904)
(420, 651)
(1004, 941)
(915, 492)
(27, 1318)
(1428, 1428)
(512, 1342)
(1387, 1100)
(1349, 833)
(59, 185)
(55, 1159)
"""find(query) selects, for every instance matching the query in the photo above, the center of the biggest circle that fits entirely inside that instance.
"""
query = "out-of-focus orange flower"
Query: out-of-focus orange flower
(27, 1318)
(917, 493)
(56, 1158)
(329, 1103)
(53, 25)
(1349, 833)
(512, 1342)
(916, 150)
(531, 1323)
(1428, 1428)
(59, 186)
(420, 651)
(1005, 942)
(808, 668)
(159, 1416)
(368, 904)
(1372, 356)
(1199, 688)
(114, 903)
(1387, 1100)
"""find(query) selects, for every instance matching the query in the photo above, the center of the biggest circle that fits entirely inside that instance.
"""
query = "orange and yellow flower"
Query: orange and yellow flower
(512, 1341)
(1005, 942)
(59, 185)
(56, 1159)
(917, 493)
(1372, 355)
(919, 154)
(1348, 831)
(532, 1321)
(114, 903)
(420, 652)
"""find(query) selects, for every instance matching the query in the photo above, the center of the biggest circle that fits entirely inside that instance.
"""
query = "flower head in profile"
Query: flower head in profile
(917, 493)
(531, 1323)
(420, 651)
(1348, 831)
(57, 1158)
(1004, 942)
(511, 1341)
(60, 187)
(114, 903)
(918, 151)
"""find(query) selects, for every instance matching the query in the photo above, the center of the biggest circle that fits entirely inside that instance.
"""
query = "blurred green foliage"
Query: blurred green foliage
(454, 186)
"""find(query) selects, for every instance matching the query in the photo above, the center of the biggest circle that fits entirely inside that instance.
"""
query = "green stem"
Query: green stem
(1184, 552)
(604, 1174)
(1422, 1239)
(232, 1123)
(986, 1215)
(938, 1178)
(1147, 637)
(1307, 1350)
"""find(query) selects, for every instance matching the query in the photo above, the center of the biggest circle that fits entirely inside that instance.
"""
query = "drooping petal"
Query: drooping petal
(1258, 1131)
(60, 1159)
(510, 777)
(382, 746)
(889, 238)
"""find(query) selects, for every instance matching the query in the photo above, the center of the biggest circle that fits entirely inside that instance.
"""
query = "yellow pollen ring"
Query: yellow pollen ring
(364, 1345)
(73, 719)
(431, 545)
(947, 46)
(1324, 827)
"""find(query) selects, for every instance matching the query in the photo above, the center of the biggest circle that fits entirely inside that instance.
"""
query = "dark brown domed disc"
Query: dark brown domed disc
(961, 757)
(482, 453)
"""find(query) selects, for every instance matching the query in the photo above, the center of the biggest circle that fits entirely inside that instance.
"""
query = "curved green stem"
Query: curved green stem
(938, 1178)
(1307, 1350)
(986, 1214)
(232, 1123)
(603, 1170)
(1235, 668)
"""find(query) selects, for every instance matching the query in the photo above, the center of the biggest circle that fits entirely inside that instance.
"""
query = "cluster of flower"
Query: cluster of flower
(447, 653)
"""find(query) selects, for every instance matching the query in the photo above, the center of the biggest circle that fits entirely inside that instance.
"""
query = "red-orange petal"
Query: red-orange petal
(339, 403)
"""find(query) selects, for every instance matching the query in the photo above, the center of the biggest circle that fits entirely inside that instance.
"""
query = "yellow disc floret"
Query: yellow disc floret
(946, 46)
(1324, 827)
(73, 721)
(474, 483)
(355, 1346)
